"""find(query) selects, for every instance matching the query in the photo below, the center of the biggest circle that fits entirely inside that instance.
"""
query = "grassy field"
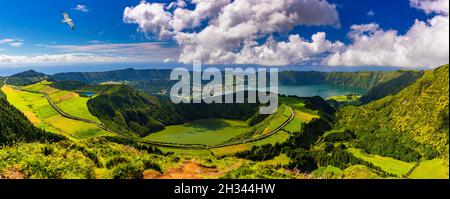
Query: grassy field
(207, 132)
(345, 98)
(70, 102)
(278, 137)
(37, 109)
(387, 164)
(281, 160)
(352, 172)
(298, 105)
(300, 118)
(430, 169)
(327, 172)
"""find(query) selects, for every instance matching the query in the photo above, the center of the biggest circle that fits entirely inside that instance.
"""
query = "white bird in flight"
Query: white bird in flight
(68, 20)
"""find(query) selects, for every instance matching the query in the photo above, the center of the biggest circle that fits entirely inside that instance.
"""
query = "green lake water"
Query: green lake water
(207, 132)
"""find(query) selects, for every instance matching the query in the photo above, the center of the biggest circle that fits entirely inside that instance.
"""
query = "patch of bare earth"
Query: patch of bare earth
(12, 173)
(188, 170)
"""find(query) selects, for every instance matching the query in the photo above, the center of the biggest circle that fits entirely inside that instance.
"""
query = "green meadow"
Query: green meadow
(428, 169)
(70, 102)
(345, 98)
(431, 169)
(207, 132)
(389, 165)
(279, 137)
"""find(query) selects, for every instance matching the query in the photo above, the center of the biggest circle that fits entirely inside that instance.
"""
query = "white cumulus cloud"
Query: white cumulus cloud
(231, 29)
(151, 18)
(425, 44)
(431, 6)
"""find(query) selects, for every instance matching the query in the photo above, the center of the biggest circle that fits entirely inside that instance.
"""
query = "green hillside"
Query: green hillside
(365, 80)
(26, 78)
(409, 125)
(117, 75)
(135, 113)
(392, 86)
(14, 127)
(2, 79)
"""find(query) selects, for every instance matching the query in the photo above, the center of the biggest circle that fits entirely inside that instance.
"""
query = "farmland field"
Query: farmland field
(430, 169)
(70, 102)
(207, 132)
(279, 137)
(37, 109)
(387, 164)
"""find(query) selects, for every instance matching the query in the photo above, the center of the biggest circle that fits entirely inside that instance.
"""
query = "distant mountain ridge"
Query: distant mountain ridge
(116, 75)
(365, 80)
(29, 73)
(26, 78)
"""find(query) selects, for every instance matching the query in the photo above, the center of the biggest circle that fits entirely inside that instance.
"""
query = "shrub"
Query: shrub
(116, 161)
(130, 170)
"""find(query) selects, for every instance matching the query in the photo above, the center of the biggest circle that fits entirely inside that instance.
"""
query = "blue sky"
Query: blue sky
(31, 28)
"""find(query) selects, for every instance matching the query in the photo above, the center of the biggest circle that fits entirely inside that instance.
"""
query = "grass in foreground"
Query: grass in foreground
(353, 172)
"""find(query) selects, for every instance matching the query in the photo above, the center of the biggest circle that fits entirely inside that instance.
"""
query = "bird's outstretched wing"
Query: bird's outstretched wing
(71, 25)
(66, 16)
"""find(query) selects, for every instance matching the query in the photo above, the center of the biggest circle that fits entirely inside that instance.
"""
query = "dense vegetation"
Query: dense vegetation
(303, 156)
(89, 159)
(408, 125)
(14, 127)
(69, 85)
(2, 95)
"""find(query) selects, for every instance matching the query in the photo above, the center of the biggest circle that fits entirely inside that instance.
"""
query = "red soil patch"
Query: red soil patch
(12, 173)
(68, 96)
(189, 170)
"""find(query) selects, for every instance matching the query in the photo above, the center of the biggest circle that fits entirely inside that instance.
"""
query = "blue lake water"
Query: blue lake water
(88, 94)
(323, 90)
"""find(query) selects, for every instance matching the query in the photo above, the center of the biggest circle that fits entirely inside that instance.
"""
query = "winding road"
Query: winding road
(161, 144)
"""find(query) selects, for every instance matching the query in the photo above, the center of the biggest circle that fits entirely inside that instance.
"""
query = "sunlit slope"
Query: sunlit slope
(37, 109)
(14, 127)
(412, 125)
(67, 101)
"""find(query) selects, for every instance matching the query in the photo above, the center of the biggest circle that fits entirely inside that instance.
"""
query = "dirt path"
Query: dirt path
(188, 170)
